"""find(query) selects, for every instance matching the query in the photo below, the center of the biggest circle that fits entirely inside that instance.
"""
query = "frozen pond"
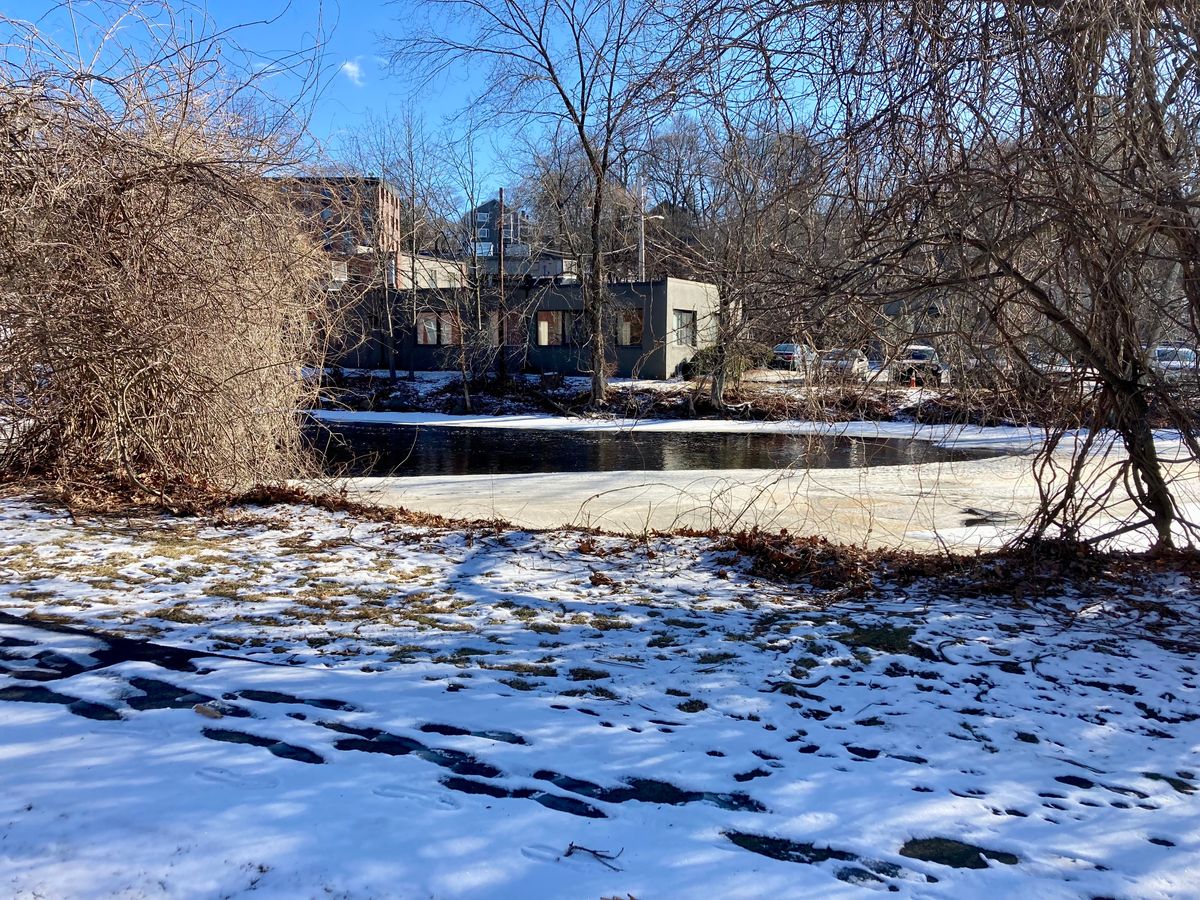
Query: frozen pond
(411, 450)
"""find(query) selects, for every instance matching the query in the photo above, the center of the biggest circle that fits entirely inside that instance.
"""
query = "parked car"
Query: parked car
(793, 357)
(1054, 368)
(845, 363)
(1174, 363)
(919, 364)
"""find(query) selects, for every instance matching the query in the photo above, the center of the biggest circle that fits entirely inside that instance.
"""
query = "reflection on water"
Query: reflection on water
(413, 450)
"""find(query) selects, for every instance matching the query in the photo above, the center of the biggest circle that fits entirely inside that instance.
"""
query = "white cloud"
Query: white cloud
(353, 70)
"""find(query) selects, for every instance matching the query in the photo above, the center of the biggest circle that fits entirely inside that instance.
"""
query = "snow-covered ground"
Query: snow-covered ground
(1007, 438)
(294, 703)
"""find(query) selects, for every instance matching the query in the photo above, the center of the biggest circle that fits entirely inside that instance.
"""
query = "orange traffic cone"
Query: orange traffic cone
(912, 379)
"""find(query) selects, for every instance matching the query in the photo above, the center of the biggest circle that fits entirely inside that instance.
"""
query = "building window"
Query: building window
(685, 328)
(436, 329)
(483, 234)
(483, 248)
(391, 273)
(339, 273)
(550, 324)
(629, 328)
(427, 329)
(448, 331)
(558, 327)
(482, 218)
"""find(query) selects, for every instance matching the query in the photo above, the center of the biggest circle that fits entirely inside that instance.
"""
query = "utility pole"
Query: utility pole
(389, 322)
(501, 310)
(412, 261)
(641, 231)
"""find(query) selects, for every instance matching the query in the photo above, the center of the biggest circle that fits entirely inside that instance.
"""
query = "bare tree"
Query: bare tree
(557, 188)
(732, 187)
(600, 69)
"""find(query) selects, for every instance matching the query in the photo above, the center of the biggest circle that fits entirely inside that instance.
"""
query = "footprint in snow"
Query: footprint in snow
(541, 853)
(424, 798)
(226, 776)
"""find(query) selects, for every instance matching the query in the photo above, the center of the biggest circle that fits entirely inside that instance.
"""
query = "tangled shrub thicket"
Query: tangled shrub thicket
(158, 298)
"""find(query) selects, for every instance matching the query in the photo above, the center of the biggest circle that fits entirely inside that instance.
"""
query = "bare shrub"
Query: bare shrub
(158, 296)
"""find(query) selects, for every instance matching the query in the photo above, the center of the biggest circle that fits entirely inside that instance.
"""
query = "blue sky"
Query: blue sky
(355, 81)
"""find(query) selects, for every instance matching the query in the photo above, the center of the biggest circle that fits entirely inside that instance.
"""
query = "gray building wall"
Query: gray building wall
(680, 294)
(659, 355)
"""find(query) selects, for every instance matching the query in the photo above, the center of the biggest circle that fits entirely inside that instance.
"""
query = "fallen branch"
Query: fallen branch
(601, 856)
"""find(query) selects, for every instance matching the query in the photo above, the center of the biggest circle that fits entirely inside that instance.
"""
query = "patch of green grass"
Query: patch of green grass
(32, 594)
(431, 622)
(675, 692)
(886, 639)
(610, 623)
(226, 589)
(523, 668)
(462, 656)
(180, 614)
(683, 623)
(661, 640)
(521, 684)
(802, 666)
(1182, 785)
(263, 621)
(409, 574)
(583, 673)
(324, 589)
(692, 706)
(377, 594)
(713, 659)
(405, 653)
(957, 854)
(179, 542)
(188, 572)
(544, 628)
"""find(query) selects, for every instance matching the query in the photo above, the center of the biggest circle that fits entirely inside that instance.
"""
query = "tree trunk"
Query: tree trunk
(720, 373)
(1132, 420)
(391, 336)
(593, 299)
(464, 372)
(716, 391)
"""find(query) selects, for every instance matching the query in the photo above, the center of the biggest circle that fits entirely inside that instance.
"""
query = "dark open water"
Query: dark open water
(440, 450)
